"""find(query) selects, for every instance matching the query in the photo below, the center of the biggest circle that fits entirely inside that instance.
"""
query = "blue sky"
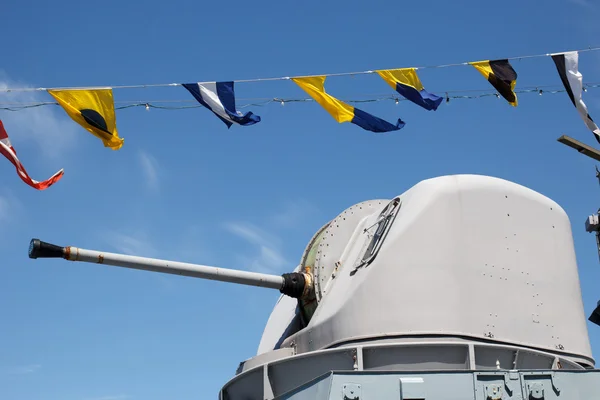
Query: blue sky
(185, 187)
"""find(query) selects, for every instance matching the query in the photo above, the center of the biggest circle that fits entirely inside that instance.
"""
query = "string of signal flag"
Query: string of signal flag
(94, 107)
(150, 104)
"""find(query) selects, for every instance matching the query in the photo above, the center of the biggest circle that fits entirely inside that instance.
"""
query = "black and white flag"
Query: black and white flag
(568, 69)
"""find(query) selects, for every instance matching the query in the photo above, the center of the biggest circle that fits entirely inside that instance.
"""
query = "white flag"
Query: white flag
(568, 69)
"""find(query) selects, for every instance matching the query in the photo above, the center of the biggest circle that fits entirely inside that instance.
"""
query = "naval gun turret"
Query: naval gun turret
(463, 286)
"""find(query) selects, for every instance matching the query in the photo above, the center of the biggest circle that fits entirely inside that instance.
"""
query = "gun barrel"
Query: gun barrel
(40, 249)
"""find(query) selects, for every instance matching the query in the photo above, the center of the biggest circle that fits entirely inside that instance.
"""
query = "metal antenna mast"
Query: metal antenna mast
(592, 223)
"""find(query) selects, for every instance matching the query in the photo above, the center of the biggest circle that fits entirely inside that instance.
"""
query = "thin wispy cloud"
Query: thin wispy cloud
(293, 213)
(271, 258)
(251, 233)
(190, 244)
(23, 369)
(111, 397)
(10, 206)
(193, 245)
(4, 209)
(150, 169)
(47, 126)
(267, 255)
(584, 3)
(137, 243)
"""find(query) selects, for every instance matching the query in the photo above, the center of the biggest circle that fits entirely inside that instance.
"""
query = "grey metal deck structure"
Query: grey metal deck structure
(415, 368)
(450, 385)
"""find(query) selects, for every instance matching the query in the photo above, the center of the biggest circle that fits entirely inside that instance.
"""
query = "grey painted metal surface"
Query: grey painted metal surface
(460, 385)
(467, 256)
(269, 379)
(283, 321)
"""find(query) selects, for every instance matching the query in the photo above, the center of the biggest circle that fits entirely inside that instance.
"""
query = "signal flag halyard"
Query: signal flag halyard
(9, 152)
(94, 110)
(219, 97)
(567, 65)
(501, 75)
(406, 82)
(314, 86)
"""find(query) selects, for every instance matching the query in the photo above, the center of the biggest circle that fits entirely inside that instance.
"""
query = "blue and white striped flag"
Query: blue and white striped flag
(219, 97)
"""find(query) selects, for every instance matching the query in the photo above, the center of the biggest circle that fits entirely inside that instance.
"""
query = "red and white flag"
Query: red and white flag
(9, 152)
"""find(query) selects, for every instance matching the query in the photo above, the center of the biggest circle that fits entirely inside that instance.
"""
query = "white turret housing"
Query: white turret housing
(465, 257)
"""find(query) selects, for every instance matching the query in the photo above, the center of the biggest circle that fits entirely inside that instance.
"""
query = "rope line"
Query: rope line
(144, 86)
(16, 106)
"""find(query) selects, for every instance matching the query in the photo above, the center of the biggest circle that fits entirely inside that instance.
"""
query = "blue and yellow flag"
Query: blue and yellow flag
(340, 111)
(406, 82)
(94, 110)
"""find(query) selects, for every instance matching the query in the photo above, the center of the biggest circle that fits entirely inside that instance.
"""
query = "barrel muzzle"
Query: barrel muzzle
(40, 249)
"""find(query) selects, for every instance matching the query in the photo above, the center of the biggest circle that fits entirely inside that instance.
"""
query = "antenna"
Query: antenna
(580, 147)
(592, 223)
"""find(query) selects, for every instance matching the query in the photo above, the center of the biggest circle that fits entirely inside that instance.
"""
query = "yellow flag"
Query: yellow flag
(94, 110)
(315, 87)
(404, 76)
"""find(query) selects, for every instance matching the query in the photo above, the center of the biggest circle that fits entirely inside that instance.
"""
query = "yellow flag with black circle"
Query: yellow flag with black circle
(94, 110)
